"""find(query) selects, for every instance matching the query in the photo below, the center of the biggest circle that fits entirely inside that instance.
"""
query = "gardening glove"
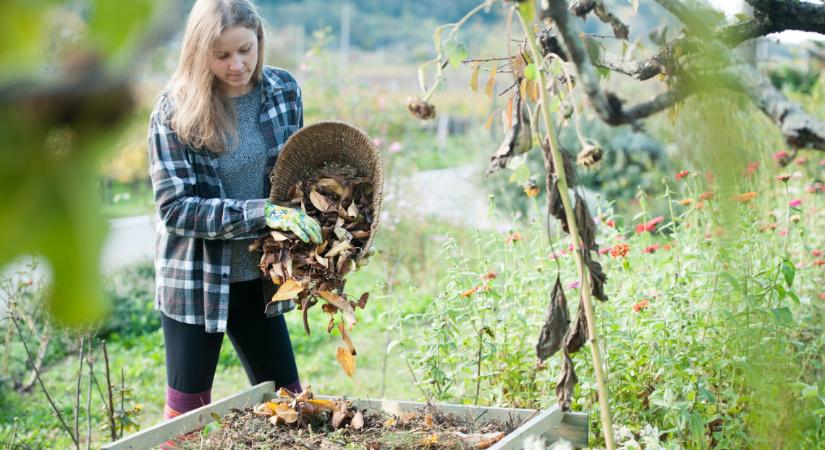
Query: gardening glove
(366, 258)
(294, 220)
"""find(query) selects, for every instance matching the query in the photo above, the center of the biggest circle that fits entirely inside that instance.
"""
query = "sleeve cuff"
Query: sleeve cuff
(253, 213)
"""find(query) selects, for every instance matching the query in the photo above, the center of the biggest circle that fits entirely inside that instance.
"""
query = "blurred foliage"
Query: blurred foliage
(62, 103)
(794, 78)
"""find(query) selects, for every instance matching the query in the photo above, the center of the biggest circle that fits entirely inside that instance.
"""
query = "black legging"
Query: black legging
(262, 344)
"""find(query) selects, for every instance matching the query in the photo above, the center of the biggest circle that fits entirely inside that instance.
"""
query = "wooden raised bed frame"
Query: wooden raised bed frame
(550, 424)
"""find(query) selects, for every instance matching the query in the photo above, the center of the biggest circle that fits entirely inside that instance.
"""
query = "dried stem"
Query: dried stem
(42, 385)
(111, 410)
(554, 161)
(77, 393)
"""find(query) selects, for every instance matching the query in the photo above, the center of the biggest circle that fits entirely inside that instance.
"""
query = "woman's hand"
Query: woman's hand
(294, 220)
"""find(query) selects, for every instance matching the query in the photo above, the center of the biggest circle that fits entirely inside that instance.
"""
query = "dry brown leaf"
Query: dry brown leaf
(556, 323)
(474, 76)
(338, 418)
(429, 441)
(289, 290)
(428, 421)
(338, 247)
(320, 202)
(322, 261)
(328, 405)
(288, 415)
(391, 422)
(347, 340)
(479, 440)
(491, 82)
(331, 184)
(352, 211)
(357, 421)
(274, 420)
(346, 360)
(362, 301)
(278, 236)
(285, 393)
(342, 304)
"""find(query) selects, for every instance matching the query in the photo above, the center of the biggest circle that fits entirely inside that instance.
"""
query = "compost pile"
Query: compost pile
(340, 199)
(302, 421)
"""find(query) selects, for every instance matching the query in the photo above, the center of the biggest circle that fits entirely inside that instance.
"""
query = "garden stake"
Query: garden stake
(558, 163)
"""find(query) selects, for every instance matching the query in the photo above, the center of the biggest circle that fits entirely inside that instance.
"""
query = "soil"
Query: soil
(424, 429)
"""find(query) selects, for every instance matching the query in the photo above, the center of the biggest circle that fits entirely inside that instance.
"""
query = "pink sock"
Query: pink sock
(178, 402)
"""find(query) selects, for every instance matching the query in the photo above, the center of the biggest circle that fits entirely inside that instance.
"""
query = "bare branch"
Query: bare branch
(772, 16)
(584, 7)
(640, 69)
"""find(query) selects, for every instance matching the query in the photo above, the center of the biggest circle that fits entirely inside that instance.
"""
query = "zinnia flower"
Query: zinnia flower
(619, 250)
(746, 197)
(681, 175)
(752, 167)
(649, 226)
(574, 285)
(641, 305)
(816, 252)
(795, 202)
(707, 195)
(513, 237)
(782, 157)
(783, 177)
(651, 248)
(610, 223)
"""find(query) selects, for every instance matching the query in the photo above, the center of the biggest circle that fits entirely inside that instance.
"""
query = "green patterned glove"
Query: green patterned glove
(294, 220)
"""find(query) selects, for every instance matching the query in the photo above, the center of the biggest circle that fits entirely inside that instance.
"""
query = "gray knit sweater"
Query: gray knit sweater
(242, 170)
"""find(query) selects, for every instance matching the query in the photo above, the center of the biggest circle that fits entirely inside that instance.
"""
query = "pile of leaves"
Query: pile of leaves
(340, 199)
(302, 421)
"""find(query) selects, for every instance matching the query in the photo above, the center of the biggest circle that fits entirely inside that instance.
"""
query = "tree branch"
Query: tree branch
(772, 16)
(584, 7)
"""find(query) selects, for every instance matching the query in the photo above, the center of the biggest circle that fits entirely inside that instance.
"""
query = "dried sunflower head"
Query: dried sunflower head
(590, 155)
(420, 108)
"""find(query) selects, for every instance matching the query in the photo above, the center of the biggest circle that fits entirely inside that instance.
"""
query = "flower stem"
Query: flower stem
(551, 161)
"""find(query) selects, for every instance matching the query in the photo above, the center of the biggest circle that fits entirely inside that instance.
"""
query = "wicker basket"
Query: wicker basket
(329, 142)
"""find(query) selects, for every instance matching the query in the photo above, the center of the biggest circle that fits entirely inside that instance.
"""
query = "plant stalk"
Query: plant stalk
(558, 164)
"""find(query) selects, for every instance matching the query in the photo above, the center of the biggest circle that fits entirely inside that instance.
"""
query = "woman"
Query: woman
(214, 136)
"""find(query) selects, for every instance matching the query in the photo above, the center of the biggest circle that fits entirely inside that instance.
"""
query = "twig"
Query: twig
(41, 355)
(122, 399)
(43, 385)
(77, 393)
(89, 404)
(111, 410)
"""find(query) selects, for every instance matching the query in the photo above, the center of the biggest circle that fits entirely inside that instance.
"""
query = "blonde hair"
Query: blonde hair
(202, 117)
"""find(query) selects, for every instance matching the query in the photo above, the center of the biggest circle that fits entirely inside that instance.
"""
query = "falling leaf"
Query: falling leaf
(362, 301)
(342, 304)
(346, 360)
(289, 290)
(347, 340)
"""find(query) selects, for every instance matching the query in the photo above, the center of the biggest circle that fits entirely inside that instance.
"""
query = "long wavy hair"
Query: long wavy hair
(201, 117)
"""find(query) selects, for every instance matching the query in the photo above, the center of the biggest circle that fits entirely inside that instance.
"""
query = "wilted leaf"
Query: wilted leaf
(278, 236)
(577, 335)
(479, 440)
(288, 415)
(362, 301)
(428, 421)
(352, 211)
(347, 340)
(338, 247)
(346, 360)
(491, 82)
(391, 422)
(566, 382)
(324, 404)
(474, 76)
(289, 290)
(555, 324)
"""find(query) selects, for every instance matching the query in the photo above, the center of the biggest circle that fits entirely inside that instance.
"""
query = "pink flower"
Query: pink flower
(783, 232)
(377, 142)
(795, 202)
(816, 253)
(801, 161)
(780, 155)
(679, 176)
(610, 223)
(752, 167)
(574, 285)
(395, 147)
(649, 226)
(604, 250)
(651, 248)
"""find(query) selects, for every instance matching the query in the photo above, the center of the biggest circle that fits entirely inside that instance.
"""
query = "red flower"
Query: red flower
(822, 296)
(649, 226)
(641, 305)
(801, 160)
(513, 237)
(795, 202)
(605, 250)
(651, 248)
(752, 167)
(619, 250)
(707, 195)
(819, 262)
(782, 157)
(783, 177)
(667, 247)
(610, 223)
(816, 252)
(489, 276)
(681, 175)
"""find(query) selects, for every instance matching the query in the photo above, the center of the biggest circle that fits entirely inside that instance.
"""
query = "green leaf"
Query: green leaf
(456, 51)
(731, 280)
(788, 271)
(530, 71)
(783, 316)
(555, 104)
(115, 25)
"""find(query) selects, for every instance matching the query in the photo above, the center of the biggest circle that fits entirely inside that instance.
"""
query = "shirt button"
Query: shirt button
(225, 275)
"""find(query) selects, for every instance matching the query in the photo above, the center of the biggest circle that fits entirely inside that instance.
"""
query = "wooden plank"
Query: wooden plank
(575, 427)
(162, 432)
(538, 426)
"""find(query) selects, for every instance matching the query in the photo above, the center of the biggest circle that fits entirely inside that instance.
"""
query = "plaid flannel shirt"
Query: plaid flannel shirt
(191, 261)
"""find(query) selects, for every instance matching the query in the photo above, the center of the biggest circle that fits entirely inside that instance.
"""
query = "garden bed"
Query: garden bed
(450, 425)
